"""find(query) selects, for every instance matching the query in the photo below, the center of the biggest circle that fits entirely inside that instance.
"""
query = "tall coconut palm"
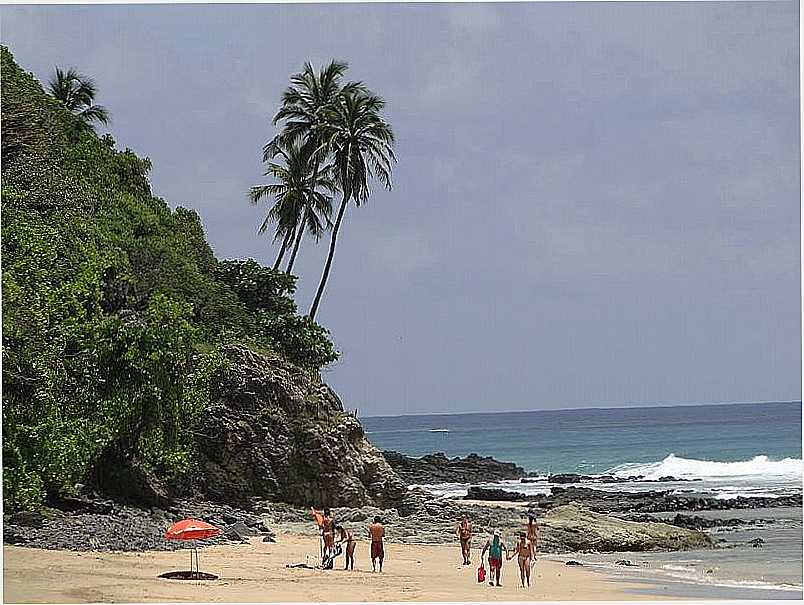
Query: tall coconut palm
(360, 143)
(77, 94)
(301, 203)
(304, 104)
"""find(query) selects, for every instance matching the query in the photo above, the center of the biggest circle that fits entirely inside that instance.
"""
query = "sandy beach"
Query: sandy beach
(256, 572)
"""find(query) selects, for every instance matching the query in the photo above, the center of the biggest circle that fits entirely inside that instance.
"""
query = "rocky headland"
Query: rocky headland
(276, 440)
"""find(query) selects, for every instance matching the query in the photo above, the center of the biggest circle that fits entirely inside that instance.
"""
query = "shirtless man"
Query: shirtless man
(464, 532)
(376, 533)
(346, 535)
(524, 553)
(328, 533)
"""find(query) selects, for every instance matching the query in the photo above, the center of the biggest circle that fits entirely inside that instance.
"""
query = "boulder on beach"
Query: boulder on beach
(575, 528)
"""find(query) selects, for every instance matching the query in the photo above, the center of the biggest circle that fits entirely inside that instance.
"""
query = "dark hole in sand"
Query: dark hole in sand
(188, 575)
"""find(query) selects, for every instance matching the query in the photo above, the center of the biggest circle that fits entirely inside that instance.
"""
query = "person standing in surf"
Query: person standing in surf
(495, 547)
(464, 532)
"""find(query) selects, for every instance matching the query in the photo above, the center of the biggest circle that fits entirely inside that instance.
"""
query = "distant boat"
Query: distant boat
(439, 430)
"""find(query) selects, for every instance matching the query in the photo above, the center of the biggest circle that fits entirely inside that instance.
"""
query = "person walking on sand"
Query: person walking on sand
(377, 534)
(524, 553)
(532, 534)
(464, 532)
(495, 547)
(348, 536)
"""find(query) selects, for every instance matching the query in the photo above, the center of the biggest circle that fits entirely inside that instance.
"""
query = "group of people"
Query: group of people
(335, 539)
(524, 550)
(347, 542)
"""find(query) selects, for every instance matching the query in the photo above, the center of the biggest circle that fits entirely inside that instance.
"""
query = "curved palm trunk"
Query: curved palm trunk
(292, 260)
(282, 250)
(328, 265)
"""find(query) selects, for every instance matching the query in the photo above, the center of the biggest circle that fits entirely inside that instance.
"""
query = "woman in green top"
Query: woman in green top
(495, 547)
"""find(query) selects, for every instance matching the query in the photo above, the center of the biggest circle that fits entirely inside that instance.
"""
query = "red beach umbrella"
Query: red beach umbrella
(192, 529)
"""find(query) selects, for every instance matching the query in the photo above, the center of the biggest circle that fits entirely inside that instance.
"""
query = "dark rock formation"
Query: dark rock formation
(651, 501)
(438, 468)
(128, 528)
(575, 478)
(698, 522)
(485, 493)
(276, 432)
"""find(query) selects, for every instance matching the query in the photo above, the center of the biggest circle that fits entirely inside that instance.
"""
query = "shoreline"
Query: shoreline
(255, 572)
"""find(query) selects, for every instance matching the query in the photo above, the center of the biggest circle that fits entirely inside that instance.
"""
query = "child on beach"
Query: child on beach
(524, 552)
(377, 533)
(495, 547)
(347, 535)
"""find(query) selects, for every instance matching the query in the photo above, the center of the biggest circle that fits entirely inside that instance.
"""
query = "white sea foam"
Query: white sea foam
(787, 469)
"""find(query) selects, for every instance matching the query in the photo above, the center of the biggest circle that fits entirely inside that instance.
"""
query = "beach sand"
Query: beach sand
(256, 572)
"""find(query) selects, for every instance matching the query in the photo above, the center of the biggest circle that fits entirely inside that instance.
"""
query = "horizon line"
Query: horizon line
(593, 407)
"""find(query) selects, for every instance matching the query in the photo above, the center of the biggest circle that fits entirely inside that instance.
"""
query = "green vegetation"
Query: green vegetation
(113, 305)
(340, 132)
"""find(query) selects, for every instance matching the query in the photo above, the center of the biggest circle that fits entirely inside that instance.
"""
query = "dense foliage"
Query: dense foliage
(113, 305)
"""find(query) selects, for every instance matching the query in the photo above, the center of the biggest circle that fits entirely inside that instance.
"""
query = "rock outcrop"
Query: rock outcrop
(577, 529)
(493, 494)
(651, 501)
(276, 432)
(438, 468)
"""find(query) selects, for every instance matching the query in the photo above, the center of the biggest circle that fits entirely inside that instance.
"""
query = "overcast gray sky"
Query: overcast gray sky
(595, 204)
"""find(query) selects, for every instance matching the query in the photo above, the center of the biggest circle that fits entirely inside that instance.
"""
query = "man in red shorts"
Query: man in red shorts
(377, 533)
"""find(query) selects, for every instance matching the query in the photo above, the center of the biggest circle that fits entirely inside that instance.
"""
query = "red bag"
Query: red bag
(481, 574)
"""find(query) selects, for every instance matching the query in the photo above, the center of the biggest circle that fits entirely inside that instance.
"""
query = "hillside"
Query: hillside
(122, 334)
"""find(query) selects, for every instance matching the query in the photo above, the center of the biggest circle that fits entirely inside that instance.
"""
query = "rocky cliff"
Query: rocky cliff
(276, 432)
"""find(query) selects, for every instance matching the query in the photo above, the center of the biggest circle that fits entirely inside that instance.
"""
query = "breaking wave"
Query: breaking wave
(688, 468)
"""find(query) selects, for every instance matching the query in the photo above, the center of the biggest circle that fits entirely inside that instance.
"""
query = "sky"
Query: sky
(595, 204)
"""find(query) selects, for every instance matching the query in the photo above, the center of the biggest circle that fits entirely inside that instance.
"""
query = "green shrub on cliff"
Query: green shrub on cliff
(113, 305)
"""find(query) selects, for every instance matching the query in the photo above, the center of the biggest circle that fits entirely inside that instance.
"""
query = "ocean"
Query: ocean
(723, 450)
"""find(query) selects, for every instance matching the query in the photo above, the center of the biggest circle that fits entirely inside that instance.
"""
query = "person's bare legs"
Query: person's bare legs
(381, 558)
(522, 562)
(527, 571)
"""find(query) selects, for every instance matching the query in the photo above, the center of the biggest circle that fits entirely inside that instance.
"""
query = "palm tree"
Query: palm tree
(300, 205)
(77, 93)
(304, 104)
(360, 143)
